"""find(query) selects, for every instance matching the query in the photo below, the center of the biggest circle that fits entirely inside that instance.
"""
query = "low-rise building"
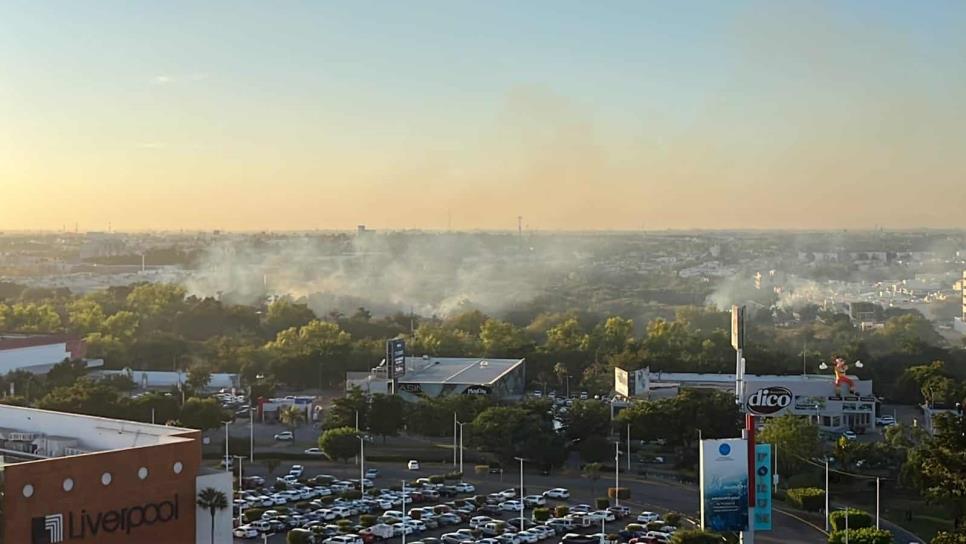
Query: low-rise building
(429, 376)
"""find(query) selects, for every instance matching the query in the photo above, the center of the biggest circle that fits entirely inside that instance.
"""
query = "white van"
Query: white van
(261, 526)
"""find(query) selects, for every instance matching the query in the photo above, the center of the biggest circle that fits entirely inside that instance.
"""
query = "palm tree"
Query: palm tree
(212, 500)
(291, 416)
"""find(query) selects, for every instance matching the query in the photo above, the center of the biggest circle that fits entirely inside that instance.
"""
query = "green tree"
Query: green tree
(585, 419)
(213, 501)
(696, 536)
(796, 439)
(202, 414)
(340, 443)
(284, 314)
(501, 339)
(867, 535)
(83, 397)
(85, 316)
(387, 414)
(567, 336)
(940, 463)
(199, 376)
(291, 416)
(944, 537)
(344, 410)
(592, 471)
(509, 432)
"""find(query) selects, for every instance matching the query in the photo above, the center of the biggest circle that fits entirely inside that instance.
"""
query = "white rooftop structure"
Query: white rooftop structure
(458, 370)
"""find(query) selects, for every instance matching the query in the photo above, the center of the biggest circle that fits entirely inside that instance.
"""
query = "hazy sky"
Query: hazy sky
(576, 115)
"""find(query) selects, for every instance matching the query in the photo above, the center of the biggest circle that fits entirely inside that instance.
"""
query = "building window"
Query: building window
(28, 491)
(106, 478)
(143, 473)
(68, 484)
(178, 467)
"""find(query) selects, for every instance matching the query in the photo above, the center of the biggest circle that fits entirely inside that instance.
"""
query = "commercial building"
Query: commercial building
(38, 353)
(814, 396)
(427, 376)
(167, 379)
(72, 478)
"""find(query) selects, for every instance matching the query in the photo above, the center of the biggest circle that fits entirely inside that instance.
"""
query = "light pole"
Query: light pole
(362, 464)
(241, 485)
(617, 473)
(357, 432)
(461, 448)
(569, 377)
(404, 511)
(454, 438)
(521, 490)
(251, 426)
(227, 457)
(826, 494)
(877, 503)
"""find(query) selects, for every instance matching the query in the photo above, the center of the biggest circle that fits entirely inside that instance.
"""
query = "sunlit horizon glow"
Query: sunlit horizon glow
(437, 114)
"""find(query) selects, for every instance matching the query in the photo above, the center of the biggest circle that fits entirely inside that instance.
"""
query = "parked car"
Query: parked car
(464, 487)
(372, 473)
(313, 451)
(647, 517)
(413, 464)
(511, 506)
(285, 436)
(885, 421)
(534, 500)
(620, 511)
(557, 493)
(245, 531)
(296, 470)
(849, 435)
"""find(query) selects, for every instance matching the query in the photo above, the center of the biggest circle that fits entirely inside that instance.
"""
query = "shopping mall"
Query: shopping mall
(74, 479)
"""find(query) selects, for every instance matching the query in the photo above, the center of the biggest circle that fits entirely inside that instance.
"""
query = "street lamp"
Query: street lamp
(521, 459)
(404, 511)
(241, 485)
(617, 473)
(362, 464)
(826, 493)
(227, 455)
(461, 447)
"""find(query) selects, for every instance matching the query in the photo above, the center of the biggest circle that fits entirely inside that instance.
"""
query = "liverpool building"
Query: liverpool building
(76, 479)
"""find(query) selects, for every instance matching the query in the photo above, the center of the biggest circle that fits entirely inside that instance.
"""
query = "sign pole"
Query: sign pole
(748, 536)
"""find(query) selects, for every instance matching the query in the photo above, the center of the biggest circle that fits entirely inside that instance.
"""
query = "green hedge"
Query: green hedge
(811, 499)
(622, 493)
(601, 502)
(673, 518)
(857, 519)
(561, 511)
(541, 514)
(696, 536)
(367, 520)
(253, 514)
(867, 535)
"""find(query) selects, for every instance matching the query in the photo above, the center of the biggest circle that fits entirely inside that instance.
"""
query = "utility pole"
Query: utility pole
(521, 490)
(628, 447)
(877, 503)
(227, 458)
(454, 439)
(461, 449)
(617, 473)
(404, 510)
(826, 494)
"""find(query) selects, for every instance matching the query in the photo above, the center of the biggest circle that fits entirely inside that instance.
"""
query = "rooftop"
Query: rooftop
(730, 378)
(457, 370)
(30, 433)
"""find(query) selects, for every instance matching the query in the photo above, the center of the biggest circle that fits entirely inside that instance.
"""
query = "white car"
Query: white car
(372, 473)
(313, 451)
(297, 471)
(647, 517)
(245, 531)
(885, 421)
(557, 493)
(534, 500)
(508, 493)
(412, 464)
(478, 521)
(528, 537)
(511, 506)
(849, 435)
(285, 436)
(401, 528)
(464, 487)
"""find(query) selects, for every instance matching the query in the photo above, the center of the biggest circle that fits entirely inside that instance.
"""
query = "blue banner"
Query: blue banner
(763, 483)
(724, 485)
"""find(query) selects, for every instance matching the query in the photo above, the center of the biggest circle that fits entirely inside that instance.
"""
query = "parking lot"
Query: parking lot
(390, 480)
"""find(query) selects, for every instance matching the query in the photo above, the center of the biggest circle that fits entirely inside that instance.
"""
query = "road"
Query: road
(655, 495)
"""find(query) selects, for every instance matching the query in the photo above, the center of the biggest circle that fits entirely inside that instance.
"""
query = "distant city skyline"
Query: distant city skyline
(620, 115)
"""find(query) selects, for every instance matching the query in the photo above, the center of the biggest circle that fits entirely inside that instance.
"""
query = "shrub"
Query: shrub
(541, 514)
(655, 525)
(352, 494)
(455, 475)
(416, 514)
(601, 502)
(299, 536)
(303, 505)
(857, 519)
(437, 479)
(344, 525)
(367, 520)
(943, 537)
(673, 518)
(695, 536)
(282, 509)
(811, 499)
(621, 493)
(253, 514)
(866, 535)
(634, 527)
(561, 510)
(481, 469)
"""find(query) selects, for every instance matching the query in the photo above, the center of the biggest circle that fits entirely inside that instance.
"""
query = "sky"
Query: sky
(445, 114)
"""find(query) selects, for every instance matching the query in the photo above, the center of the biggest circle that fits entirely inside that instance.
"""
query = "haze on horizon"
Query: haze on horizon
(575, 115)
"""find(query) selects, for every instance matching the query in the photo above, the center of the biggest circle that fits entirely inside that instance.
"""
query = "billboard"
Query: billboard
(737, 326)
(396, 357)
(724, 484)
(622, 382)
(763, 483)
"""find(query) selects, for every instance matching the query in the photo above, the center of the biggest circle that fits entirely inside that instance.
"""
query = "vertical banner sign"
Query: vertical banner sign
(396, 357)
(763, 483)
(724, 485)
(737, 326)
(622, 382)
